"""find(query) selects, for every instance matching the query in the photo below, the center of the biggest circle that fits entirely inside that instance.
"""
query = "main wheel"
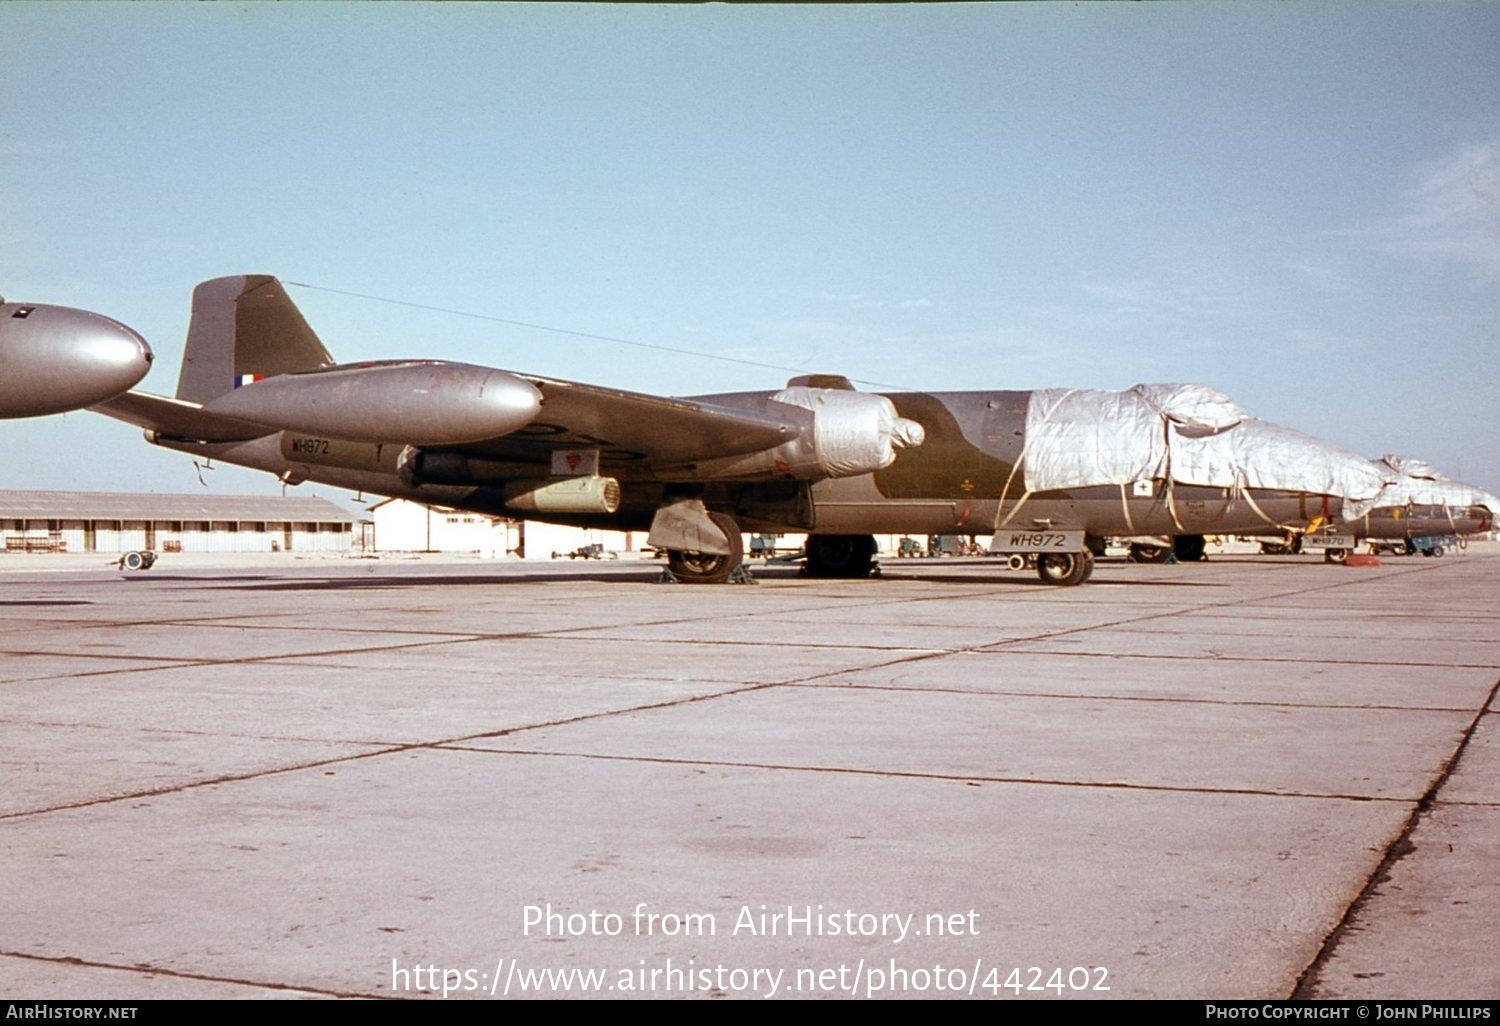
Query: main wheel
(1188, 548)
(1147, 553)
(1064, 569)
(839, 555)
(708, 567)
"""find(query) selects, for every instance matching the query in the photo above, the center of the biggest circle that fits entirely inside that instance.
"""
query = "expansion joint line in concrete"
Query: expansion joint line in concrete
(149, 970)
(439, 744)
(1398, 849)
(969, 779)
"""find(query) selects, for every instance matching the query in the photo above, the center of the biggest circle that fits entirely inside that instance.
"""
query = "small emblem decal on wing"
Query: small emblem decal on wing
(575, 462)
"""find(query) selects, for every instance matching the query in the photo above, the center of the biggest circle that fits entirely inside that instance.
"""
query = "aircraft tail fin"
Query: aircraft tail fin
(244, 328)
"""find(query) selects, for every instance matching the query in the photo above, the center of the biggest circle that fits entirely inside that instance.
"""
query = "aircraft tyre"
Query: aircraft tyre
(839, 555)
(1064, 569)
(1147, 553)
(1188, 548)
(706, 567)
(1335, 555)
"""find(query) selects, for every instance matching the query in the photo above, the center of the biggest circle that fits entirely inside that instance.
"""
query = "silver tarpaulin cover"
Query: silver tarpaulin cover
(1189, 434)
(1416, 483)
(854, 432)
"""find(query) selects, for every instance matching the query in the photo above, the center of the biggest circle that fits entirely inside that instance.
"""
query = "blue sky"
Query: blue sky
(1298, 203)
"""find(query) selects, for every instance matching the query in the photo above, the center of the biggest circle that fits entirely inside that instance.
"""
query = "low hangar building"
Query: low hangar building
(123, 522)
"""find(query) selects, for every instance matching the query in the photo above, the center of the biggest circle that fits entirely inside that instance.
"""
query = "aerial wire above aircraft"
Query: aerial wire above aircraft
(1050, 473)
(54, 359)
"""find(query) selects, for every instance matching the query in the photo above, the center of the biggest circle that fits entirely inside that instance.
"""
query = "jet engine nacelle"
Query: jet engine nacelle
(843, 434)
(523, 491)
(853, 432)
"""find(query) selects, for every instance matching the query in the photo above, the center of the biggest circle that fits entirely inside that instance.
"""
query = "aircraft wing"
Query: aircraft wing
(633, 426)
(253, 368)
(623, 425)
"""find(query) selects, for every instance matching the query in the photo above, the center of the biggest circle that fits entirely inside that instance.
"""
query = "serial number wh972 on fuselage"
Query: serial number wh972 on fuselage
(1039, 541)
(309, 446)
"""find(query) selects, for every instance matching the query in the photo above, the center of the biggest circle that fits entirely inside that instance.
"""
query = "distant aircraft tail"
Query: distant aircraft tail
(244, 328)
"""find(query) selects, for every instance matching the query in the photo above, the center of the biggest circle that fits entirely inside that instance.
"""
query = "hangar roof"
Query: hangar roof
(151, 506)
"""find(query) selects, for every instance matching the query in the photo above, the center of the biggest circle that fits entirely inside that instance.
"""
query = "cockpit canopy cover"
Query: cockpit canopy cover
(1188, 434)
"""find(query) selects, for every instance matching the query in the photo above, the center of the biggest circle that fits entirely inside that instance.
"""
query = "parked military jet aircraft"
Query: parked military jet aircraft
(55, 358)
(1423, 501)
(1049, 473)
(1416, 502)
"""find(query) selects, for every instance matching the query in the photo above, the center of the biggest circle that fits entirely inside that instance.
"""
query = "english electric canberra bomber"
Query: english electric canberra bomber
(1418, 503)
(1049, 473)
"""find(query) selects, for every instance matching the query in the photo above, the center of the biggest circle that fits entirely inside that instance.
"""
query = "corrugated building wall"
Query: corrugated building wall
(121, 522)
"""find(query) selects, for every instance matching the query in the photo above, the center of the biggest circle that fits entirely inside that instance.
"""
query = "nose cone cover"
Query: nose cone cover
(54, 359)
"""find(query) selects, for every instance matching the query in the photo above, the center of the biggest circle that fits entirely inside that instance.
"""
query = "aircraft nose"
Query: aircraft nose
(54, 359)
(114, 355)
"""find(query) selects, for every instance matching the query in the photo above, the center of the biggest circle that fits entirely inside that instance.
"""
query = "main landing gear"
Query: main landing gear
(1185, 548)
(1189, 548)
(839, 555)
(1140, 552)
(842, 556)
(707, 567)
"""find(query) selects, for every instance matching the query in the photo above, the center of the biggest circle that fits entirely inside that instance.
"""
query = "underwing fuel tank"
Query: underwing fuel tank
(426, 402)
(54, 359)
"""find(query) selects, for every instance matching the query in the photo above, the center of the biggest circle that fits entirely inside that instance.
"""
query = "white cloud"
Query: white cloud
(1317, 276)
(861, 301)
(1454, 211)
(1188, 296)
